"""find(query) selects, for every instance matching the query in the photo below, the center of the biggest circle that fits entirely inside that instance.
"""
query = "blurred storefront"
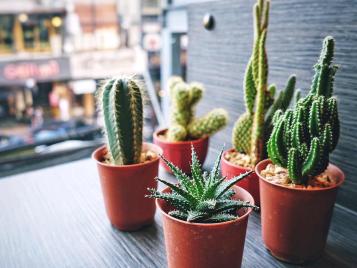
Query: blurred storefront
(26, 84)
(53, 54)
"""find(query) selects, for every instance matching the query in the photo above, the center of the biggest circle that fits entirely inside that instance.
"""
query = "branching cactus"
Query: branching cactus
(303, 138)
(205, 198)
(254, 126)
(120, 101)
(184, 125)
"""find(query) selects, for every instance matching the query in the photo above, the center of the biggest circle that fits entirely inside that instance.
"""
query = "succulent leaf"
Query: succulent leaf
(178, 214)
(197, 172)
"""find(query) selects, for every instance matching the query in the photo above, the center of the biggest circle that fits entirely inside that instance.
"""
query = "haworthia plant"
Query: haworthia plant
(120, 101)
(253, 127)
(184, 125)
(205, 198)
(303, 138)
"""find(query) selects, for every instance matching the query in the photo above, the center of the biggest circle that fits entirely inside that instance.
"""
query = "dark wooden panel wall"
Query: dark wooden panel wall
(218, 59)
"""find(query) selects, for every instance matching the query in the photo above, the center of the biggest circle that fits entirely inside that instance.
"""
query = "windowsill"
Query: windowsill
(55, 217)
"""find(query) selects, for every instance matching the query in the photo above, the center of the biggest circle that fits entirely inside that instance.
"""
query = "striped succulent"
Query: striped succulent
(254, 126)
(120, 101)
(303, 138)
(204, 198)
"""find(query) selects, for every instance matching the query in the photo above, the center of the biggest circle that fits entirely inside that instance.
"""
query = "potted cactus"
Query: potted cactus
(126, 165)
(298, 186)
(204, 217)
(185, 129)
(253, 127)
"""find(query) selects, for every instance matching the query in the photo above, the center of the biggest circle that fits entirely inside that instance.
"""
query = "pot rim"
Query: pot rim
(233, 165)
(155, 148)
(338, 184)
(161, 131)
(208, 225)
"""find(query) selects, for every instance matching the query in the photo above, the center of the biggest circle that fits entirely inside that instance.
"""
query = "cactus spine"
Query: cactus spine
(254, 126)
(303, 138)
(184, 125)
(120, 100)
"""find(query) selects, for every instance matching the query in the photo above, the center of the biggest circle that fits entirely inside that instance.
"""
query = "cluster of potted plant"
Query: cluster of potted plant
(205, 214)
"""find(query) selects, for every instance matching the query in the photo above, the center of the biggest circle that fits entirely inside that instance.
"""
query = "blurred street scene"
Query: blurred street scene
(53, 56)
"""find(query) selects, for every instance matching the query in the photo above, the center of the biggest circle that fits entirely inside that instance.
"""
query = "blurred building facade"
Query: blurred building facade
(151, 37)
(52, 53)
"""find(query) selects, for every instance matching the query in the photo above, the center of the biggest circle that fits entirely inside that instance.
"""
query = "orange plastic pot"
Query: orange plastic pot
(295, 221)
(250, 183)
(179, 152)
(124, 189)
(200, 245)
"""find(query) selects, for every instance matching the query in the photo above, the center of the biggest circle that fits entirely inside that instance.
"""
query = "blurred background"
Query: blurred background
(53, 56)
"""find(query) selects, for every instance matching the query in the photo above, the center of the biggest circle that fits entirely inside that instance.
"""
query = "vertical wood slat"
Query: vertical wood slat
(218, 59)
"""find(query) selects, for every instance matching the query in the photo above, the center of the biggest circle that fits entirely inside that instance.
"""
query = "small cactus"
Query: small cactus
(253, 127)
(120, 101)
(184, 125)
(204, 198)
(303, 138)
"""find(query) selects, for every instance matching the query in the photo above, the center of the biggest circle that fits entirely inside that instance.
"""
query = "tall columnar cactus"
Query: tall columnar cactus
(184, 125)
(254, 126)
(120, 100)
(303, 138)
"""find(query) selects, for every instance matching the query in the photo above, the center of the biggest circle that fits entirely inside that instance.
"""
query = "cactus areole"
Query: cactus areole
(254, 126)
(120, 101)
(303, 138)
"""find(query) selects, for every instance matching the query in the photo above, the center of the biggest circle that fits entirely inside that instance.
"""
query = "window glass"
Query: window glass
(6, 35)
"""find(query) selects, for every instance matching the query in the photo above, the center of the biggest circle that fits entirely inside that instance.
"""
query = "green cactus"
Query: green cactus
(303, 138)
(205, 198)
(120, 101)
(184, 125)
(253, 128)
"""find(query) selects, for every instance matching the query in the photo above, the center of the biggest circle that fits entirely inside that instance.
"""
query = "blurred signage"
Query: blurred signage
(39, 70)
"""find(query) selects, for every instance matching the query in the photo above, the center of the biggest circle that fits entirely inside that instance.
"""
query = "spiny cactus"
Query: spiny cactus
(205, 198)
(184, 125)
(253, 127)
(303, 138)
(120, 100)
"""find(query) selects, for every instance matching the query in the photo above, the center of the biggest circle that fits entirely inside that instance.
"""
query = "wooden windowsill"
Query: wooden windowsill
(55, 217)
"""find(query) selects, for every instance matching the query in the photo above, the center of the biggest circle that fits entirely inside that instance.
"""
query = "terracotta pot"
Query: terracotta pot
(124, 189)
(250, 183)
(295, 221)
(200, 245)
(179, 152)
